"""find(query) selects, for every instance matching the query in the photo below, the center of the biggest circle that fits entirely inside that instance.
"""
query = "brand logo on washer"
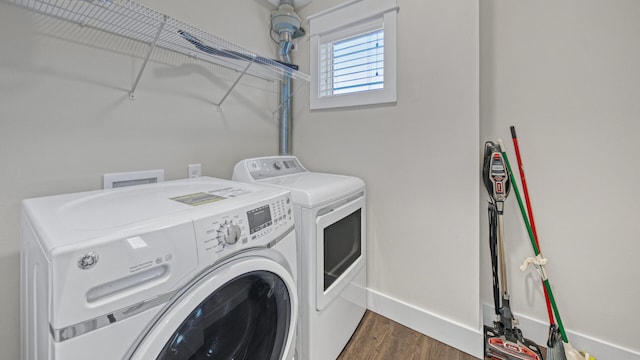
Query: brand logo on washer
(88, 260)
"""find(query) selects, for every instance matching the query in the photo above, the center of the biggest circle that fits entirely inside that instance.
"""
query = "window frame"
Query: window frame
(346, 21)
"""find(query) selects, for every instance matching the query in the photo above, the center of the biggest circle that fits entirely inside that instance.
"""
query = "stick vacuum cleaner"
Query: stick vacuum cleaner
(504, 341)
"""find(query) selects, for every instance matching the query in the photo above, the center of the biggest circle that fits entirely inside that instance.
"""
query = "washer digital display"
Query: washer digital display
(259, 218)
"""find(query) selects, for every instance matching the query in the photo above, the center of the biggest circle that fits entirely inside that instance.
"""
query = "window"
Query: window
(353, 55)
(352, 65)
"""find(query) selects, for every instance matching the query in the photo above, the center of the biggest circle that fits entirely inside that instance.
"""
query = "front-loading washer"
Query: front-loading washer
(191, 269)
(330, 215)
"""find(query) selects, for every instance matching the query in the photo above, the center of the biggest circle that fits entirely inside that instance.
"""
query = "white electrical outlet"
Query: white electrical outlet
(195, 170)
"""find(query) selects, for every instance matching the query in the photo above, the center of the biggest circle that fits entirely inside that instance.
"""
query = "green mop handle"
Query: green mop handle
(536, 250)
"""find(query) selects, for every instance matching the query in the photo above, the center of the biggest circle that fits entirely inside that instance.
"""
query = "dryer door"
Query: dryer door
(340, 250)
(246, 309)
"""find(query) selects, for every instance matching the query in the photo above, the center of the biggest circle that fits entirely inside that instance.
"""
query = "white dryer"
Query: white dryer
(189, 269)
(330, 225)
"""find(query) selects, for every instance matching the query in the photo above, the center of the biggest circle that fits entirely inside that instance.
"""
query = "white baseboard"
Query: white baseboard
(537, 331)
(471, 341)
(459, 336)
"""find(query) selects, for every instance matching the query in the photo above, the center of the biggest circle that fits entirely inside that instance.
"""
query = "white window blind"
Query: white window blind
(352, 65)
(353, 51)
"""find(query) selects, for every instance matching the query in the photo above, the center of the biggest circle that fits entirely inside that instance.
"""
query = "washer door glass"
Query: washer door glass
(246, 318)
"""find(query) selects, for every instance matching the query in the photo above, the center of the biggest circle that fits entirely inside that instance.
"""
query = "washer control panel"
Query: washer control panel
(266, 167)
(251, 226)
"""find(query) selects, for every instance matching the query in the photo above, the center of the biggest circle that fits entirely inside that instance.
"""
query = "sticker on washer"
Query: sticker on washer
(136, 242)
(197, 199)
(230, 192)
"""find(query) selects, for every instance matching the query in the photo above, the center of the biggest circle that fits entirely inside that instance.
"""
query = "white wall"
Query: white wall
(419, 160)
(65, 116)
(566, 74)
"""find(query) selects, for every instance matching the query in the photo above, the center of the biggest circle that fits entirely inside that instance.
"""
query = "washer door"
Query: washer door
(246, 309)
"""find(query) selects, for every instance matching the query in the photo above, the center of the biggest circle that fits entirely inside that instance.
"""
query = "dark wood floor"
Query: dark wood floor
(382, 339)
(379, 338)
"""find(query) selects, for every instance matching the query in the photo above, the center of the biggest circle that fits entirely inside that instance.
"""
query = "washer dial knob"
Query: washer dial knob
(230, 233)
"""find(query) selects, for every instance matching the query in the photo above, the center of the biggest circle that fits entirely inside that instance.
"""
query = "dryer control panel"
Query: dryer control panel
(257, 225)
(267, 167)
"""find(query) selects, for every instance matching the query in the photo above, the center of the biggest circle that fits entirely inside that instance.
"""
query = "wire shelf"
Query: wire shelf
(137, 22)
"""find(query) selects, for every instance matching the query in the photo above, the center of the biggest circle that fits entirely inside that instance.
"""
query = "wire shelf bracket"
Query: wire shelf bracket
(132, 94)
(233, 85)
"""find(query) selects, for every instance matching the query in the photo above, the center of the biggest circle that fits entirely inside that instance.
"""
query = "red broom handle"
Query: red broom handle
(530, 212)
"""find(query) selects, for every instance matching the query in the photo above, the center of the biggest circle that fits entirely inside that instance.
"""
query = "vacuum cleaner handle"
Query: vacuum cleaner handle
(495, 175)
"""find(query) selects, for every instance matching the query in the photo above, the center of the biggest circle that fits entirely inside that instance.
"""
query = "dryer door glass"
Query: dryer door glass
(342, 246)
(247, 318)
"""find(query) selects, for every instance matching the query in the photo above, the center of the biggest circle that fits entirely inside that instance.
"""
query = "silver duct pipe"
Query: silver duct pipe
(285, 133)
(285, 22)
